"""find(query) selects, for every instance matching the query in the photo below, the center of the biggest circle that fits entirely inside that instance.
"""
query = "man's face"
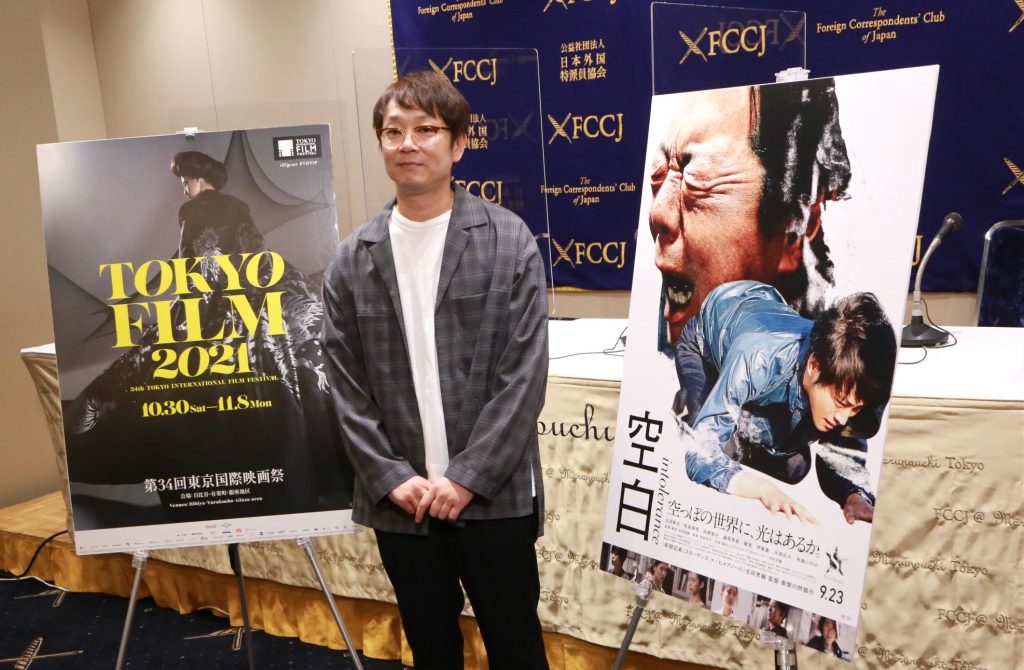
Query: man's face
(775, 614)
(830, 409)
(415, 169)
(706, 186)
(729, 596)
(192, 186)
(616, 561)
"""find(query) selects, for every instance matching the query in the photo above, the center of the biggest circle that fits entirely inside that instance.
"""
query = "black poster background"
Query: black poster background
(201, 414)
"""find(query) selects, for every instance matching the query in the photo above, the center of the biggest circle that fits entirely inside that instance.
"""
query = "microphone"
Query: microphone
(917, 333)
(950, 224)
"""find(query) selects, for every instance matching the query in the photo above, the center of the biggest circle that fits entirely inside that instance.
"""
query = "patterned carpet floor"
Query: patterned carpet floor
(50, 629)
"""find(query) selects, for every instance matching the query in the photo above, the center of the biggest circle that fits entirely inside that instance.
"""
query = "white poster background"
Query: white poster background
(886, 124)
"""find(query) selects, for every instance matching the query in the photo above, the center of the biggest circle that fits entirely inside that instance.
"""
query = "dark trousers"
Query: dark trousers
(496, 563)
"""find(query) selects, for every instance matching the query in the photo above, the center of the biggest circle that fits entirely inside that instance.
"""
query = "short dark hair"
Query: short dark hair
(855, 348)
(197, 165)
(795, 132)
(618, 551)
(431, 92)
(821, 624)
(781, 606)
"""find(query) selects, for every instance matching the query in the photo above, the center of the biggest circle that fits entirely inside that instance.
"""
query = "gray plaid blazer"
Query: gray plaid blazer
(490, 325)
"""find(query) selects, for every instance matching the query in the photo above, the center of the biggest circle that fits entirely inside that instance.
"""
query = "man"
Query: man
(769, 383)
(738, 192)
(437, 337)
(617, 560)
(777, 613)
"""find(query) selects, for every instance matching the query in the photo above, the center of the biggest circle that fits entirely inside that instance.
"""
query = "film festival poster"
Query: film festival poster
(185, 276)
(764, 208)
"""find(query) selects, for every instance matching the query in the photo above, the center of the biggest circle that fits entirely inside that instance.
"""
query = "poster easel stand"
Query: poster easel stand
(785, 649)
(643, 594)
(140, 557)
(236, 567)
(307, 545)
(785, 653)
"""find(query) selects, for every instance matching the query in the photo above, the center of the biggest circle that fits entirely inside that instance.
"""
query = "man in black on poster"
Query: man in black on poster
(778, 612)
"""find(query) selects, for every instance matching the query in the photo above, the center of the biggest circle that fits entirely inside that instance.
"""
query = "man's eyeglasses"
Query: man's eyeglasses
(392, 138)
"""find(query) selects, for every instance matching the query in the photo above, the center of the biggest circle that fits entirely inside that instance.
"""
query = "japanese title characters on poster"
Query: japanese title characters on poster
(771, 271)
(185, 283)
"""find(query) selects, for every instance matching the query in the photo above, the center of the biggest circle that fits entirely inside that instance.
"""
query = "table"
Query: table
(944, 581)
(944, 584)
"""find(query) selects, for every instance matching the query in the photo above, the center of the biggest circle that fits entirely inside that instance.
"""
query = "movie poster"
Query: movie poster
(185, 277)
(769, 286)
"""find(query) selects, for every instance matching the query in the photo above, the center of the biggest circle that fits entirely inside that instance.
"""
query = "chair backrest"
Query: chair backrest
(1001, 284)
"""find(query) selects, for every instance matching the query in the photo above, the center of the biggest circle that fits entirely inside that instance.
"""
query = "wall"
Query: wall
(71, 66)
(223, 64)
(26, 117)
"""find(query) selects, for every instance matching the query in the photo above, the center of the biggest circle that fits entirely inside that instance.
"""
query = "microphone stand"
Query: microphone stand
(917, 333)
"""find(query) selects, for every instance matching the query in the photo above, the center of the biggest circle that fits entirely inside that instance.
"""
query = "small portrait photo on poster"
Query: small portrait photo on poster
(776, 617)
(693, 588)
(729, 601)
(619, 562)
(825, 634)
(658, 574)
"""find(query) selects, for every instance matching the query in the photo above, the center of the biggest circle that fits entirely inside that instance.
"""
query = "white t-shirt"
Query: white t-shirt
(417, 247)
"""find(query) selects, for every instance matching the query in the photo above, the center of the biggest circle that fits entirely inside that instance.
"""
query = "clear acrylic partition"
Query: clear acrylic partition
(700, 47)
(372, 71)
(504, 158)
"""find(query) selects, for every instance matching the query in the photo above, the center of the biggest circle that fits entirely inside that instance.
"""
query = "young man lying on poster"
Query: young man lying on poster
(768, 383)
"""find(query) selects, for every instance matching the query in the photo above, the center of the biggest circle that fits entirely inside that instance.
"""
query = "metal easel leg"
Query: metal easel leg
(236, 567)
(643, 594)
(139, 563)
(785, 653)
(307, 544)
